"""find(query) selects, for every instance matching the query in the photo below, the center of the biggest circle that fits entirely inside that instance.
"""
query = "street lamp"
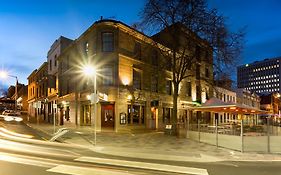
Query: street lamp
(5, 75)
(90, 71)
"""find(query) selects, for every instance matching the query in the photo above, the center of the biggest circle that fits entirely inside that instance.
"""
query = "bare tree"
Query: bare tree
(179, 19)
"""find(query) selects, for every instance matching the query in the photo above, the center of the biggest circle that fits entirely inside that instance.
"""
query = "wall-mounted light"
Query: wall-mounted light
(130, 97)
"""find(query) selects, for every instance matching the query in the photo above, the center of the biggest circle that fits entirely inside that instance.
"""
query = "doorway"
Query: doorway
(107, 116)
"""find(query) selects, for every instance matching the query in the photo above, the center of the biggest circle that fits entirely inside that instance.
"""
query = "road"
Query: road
(20, 154)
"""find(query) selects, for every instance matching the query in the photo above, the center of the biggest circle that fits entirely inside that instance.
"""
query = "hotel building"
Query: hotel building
(133, 91)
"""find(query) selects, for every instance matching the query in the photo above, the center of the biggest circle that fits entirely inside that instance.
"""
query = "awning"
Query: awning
(217, 105)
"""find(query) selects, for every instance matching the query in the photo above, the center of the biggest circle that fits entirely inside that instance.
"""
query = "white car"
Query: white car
(8, 117)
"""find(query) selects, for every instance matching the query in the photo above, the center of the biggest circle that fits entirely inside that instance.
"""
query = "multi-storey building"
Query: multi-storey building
(56, 49)
(260, 76)
(37, 92)
(133, 91)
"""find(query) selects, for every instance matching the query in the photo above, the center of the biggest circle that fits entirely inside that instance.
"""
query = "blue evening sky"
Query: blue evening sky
(28, 28)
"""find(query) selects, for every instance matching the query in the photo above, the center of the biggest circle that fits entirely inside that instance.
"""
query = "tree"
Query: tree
(179, 19)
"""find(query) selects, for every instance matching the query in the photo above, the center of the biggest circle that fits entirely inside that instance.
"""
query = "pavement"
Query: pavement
(152, 145)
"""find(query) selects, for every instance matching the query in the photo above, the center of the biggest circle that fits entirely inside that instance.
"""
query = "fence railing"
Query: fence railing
(265, 137)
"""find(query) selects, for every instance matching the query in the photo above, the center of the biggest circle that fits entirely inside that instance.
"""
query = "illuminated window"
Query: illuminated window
(86, 48)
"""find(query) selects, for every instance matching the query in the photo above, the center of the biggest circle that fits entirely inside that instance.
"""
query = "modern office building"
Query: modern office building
(260, 76)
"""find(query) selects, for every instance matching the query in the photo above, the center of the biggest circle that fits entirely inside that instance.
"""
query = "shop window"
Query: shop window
(167, 113)
(137, 116)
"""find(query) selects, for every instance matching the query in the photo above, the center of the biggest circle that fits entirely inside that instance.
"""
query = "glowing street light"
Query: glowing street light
(90, 71)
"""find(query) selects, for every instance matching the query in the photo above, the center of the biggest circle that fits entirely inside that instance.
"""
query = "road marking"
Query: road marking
(26, 160)
(67, 169)
(144, 165)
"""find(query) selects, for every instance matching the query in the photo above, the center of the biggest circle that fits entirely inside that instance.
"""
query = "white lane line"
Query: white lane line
(26, 160)
(67, 169)
(144, 165)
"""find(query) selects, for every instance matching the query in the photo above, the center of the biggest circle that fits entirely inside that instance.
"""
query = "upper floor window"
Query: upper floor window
(107, 75)
(136, 79)
(169, 87)
(198, 53)
(107, 42)
(137, 50)
(188, 89)
(207, 73)
(50, 64)
(197, 71)
(86, 47)
(56, 60)
(154, 58)
(154, 83)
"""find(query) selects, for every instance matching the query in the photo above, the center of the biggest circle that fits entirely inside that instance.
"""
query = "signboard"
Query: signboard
(39, 104)
(123, 118)
(55, 106)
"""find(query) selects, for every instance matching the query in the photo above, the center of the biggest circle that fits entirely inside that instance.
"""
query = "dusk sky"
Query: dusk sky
(28, 28)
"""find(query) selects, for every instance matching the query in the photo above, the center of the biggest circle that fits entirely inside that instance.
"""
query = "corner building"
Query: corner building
(134, 93)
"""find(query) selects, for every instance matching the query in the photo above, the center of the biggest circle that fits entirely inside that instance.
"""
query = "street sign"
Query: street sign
(94, 98)
(55, 106)
(39, 104)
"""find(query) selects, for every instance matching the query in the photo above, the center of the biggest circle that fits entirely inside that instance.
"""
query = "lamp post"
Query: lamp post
(5, 75)
(90, 71)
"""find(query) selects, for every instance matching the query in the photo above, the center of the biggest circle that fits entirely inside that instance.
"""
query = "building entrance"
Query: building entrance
(107, 116)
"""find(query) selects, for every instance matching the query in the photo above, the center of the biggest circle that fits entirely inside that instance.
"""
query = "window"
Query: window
(167, 115)
(207, 74)
(197, 71)
(50, 65)
(169, 87)
(154, 83)
(168, 63)
(198, 53)
(56, 60)
(154, 58)
(86, 48)
(137, 50)
(107, 42)
(198, 94)
(135, 114)
(136, 79)
(188, 89)
(108, 75)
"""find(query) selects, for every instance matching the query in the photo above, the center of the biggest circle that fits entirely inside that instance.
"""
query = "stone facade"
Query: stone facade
(129, 80)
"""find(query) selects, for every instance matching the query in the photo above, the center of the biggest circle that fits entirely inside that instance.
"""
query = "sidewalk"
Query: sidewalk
(149, 145)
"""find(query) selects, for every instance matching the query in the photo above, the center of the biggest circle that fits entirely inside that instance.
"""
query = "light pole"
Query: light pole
(90, 71)
(5, 75)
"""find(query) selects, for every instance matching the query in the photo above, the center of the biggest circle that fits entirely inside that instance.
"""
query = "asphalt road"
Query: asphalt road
(20, 155)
